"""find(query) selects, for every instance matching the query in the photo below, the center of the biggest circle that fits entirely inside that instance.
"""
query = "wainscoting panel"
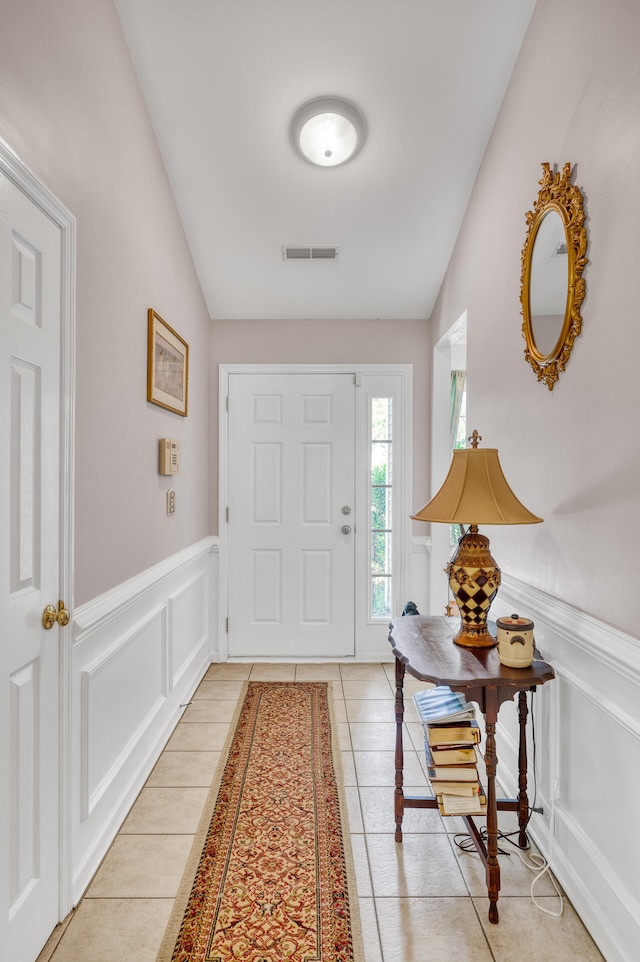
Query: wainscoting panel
(189, 624)
(587, 763)
(134, 669)
(139, 652)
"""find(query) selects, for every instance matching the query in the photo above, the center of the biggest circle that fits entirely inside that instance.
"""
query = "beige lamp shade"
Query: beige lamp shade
(475, 491)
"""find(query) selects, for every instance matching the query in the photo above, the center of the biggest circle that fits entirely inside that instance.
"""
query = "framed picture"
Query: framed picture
(167, 366)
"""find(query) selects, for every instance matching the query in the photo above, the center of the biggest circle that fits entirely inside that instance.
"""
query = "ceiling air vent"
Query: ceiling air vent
(309, 253)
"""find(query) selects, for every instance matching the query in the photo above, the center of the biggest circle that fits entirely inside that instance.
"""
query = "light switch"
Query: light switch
(171, 502)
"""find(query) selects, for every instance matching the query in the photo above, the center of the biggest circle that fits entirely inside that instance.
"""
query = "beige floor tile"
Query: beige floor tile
(378, 768)
(198, 737)
(361, 865)
(422, 866)
(415, 732)
(209, 710)
(343, 736)
(273, 673)
(410, 715)
(339, 710)
(515, 876)
(227, 670)
(353, 809)
(324, 672)
(222, 689)
(142, 866)
(52, 942)
(377, 688)
(357, 670)
(371, 710)
(166, 811)
(110, 930)
(369, 928)
(412, 685)
(526, 933)
(184, 768)
(433, 929)
(377, 805)
(390, 670)
(348, 769)
(373, 736)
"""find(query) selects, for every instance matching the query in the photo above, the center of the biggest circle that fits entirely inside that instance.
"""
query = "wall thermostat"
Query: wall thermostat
(169, 462)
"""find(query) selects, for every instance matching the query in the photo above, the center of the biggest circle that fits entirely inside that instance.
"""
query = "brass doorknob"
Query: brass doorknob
(51, 615)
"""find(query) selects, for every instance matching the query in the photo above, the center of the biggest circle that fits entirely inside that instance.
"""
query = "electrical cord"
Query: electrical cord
(534, 861)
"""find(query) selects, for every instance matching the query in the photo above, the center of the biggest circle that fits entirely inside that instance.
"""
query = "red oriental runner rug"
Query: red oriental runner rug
(270, 874)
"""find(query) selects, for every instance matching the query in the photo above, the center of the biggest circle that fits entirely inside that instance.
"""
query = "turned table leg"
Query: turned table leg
(399, 761)
(493, 866)
(523, 801)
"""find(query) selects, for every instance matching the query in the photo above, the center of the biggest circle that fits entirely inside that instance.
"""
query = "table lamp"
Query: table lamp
(475, 491)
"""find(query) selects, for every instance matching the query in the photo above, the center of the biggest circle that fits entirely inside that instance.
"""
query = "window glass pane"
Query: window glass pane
(381, 462)
(381, 500)
(380, 508)
(381, 553)
(381, 597)
(381, 418)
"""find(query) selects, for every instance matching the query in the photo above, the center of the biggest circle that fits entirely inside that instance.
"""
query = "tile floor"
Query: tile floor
(424, 901)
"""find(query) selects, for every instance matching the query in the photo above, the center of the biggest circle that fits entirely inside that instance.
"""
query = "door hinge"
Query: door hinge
(227, 514)
(227, 403)
(226, 627)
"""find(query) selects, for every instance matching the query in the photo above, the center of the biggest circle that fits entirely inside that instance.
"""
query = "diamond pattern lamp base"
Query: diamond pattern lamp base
(474, 579)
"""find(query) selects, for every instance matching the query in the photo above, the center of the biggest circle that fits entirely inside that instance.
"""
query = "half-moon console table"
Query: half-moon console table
(424, 648)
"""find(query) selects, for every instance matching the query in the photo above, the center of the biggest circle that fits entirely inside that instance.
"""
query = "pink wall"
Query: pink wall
(571, 454)
(337, 342)
(71, 108)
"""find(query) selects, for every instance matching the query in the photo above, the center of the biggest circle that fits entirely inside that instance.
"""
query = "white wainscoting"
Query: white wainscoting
(139, 652)
(587, 725)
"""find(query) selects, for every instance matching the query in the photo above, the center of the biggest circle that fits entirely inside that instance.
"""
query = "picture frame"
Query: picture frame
(167, 366)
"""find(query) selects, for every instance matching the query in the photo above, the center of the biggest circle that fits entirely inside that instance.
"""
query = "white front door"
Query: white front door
(291, 521)
(30, 311)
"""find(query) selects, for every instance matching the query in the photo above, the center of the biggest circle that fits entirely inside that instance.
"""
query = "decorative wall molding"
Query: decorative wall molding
(95, 613)
(96, 776)
(421, 545)
(608, 645)
(590, 731)
(143, 647)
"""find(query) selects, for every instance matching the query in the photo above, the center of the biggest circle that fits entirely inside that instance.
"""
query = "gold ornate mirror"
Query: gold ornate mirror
(551, 285)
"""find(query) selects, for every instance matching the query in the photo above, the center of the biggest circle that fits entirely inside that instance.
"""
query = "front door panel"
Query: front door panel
(291, 472)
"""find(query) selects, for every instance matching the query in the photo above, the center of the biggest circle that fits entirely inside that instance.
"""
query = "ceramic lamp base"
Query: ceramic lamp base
(474, 579)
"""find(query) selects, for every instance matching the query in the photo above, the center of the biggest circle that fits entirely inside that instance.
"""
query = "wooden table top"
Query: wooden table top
(424, 646)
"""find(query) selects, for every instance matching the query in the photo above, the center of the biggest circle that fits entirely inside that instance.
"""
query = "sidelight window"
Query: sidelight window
(381, 481)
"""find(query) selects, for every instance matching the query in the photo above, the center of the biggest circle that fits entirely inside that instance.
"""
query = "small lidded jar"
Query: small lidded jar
(516, 644)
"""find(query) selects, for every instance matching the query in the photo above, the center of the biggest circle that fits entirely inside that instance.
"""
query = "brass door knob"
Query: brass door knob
(52, 615)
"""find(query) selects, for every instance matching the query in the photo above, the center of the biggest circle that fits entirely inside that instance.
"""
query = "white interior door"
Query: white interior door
(30, 310)
(291, 515)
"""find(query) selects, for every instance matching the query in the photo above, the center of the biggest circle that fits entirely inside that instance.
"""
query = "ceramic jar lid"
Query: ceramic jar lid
(515, 623)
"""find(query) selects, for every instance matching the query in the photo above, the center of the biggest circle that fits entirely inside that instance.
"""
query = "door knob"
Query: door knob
(346, 529)
(51, 615)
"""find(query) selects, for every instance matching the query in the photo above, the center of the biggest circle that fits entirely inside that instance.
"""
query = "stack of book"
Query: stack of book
(451, 734)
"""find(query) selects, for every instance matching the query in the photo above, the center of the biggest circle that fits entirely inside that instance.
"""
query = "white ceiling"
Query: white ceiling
(222, 79)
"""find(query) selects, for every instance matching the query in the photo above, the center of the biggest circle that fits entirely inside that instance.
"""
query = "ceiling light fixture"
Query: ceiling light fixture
(328, 131)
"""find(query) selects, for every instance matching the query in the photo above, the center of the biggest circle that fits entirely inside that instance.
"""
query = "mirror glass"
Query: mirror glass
(548, 283)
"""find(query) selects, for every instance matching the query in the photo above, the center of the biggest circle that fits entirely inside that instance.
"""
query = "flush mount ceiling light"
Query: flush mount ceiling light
(328, 131)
